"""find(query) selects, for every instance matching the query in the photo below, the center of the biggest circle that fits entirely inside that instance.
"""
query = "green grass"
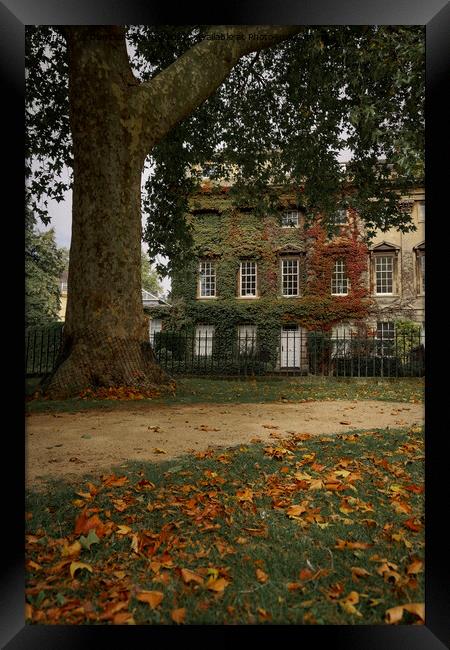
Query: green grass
(296, 389)
(227, 512)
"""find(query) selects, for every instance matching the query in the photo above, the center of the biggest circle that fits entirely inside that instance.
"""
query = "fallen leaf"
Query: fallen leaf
(261, 576)
(72, 549)
(123, 530)
(358, 572)
(217, 585)
(86, 542)
(190, 576)
(244, 495)
(159, 451)
(415, 567)
(152, 598)
(178, 615)
(395, 614)
(75, 566)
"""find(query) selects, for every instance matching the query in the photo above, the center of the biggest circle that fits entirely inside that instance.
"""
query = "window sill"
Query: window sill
(248, 297)
(341, 295)
(206, 297)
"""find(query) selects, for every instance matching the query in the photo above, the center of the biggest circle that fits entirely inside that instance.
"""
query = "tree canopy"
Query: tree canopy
(43, 267)
(296, 104)
(150, 280)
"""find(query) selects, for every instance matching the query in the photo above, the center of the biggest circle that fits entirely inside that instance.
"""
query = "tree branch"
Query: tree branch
(164, 101)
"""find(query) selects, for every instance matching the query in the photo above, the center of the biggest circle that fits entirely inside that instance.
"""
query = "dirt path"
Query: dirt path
(71, 444)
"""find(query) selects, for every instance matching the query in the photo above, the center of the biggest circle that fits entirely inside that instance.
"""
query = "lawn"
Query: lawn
(305, 530)
(251, 390)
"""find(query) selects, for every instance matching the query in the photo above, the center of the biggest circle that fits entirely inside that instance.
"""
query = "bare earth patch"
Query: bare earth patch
(68, 445)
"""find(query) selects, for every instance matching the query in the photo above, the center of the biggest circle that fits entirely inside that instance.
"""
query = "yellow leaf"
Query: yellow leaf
(123, 530)
(75, 566)
(159, 451)
(73, 549)
(152, 598)
(135, 543)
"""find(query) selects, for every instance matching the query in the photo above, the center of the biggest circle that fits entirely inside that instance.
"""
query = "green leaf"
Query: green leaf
(86, 542)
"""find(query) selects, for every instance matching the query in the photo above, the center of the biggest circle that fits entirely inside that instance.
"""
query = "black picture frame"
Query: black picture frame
(435, 15)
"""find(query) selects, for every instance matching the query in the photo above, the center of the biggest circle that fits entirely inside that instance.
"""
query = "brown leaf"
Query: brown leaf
(178, 615)
(83, 524)
(114, 481)
(152, 598)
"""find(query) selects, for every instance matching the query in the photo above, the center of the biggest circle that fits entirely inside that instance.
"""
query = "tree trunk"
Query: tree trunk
(106, 340)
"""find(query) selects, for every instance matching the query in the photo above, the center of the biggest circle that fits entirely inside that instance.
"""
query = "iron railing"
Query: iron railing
(293, 351)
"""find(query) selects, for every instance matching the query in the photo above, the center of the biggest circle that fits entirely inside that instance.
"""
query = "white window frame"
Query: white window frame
(246, 335)
(341, 338)
(421, 211)
(339, 278)
(63, 287)
(204, 337)
(154, 326)
(243, 267)
(287, 215)
(287, 275)
(421, 272)
(211, 276)
(385, 340)
(340, 217)
(377, 260)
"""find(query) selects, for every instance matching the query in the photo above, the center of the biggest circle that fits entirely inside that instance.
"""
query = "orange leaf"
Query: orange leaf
(415, 567)
(395, 614)
(305, 574)
(217, 585)
(244, 495)
(413, 524)
(261, 576)
(178, 615)
(191, 576)
(153, 598)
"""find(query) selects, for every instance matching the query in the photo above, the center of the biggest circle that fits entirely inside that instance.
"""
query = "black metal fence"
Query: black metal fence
(293, 352)
(42, 345)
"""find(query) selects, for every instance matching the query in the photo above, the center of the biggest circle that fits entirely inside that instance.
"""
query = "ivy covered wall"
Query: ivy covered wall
(227, 235)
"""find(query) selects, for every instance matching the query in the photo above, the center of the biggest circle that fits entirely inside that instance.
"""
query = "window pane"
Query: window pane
(384, 269)
(385, 338)
(290, 277)
(339, 280)
(204, 335)
(247, 338)
(290, 219)
(207, 279)
(248, 278)
(422, 272)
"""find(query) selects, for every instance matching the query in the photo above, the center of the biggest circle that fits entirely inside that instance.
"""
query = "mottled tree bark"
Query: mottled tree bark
(115, 121)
